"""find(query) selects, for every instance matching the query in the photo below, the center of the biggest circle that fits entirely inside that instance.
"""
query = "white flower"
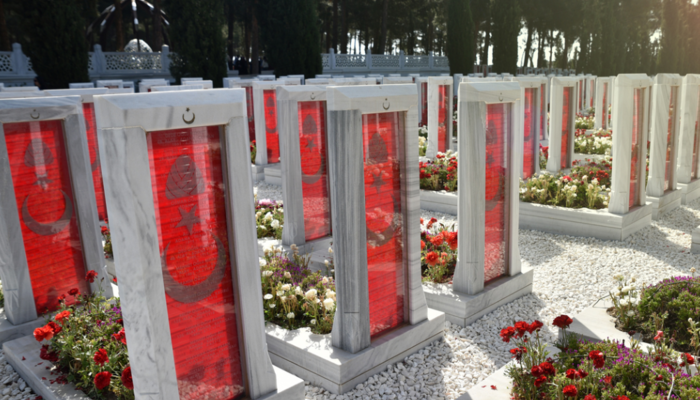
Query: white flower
(630, 313)
(272, 305)
(324, 280)
(330, 250)
(286, 287)
(690, 320)
(262, 262)
(267, 274)
(258, 214)
(290, 315)
(311, 294)
(625, 290)
(268, 216)
(326, 262)
(329, 304)
(330, 294)
(280, 293)
(268, 297)
(298, 291)
(275, 224)
(287, 275)
(313, 322)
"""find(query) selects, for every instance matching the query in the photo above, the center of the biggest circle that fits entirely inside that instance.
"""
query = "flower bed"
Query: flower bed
(253, 151)
(440, 174)
(671, 307)
(293, 296)
(107, 238)
(595, 371)
(87, 344)
(600, 142)
(269, 218)
(585, 121)
(438, 251)
(422, 140)
(587, 186)
(544, 155)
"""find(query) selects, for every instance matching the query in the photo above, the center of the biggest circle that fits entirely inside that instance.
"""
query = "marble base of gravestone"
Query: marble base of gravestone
(488, 271)
(381, 313)
(304, 168)
(145, 86)
(110, 84)
(190, 86)
(662, 191)
(45, 174)
(187, 340)
(688, 171)
(695, 247)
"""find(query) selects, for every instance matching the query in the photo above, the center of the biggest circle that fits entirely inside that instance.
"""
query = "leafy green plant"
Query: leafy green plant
(438, 251)
(440, 174)
(86, 342)
(293, 296)
(107, 237)
(600, 142)
(269, 218)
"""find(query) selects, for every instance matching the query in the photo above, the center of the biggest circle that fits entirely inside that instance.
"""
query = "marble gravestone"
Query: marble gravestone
(488, 271)
(530, 120)
(247, 85)
(397, 80)
(110, 84)
(267, 155)
(190, 86)
(381, 313)
(562, 123)
(439, 115)
(664, 134)
(304, 164)
(184, 238)
(146, 86)
(81, 85)
(288, 80)
(544, 111)
(688, 170)
(318, 81)
(229, 81)
(20, 95)
(422, 85)
(603, 99)
(352, 81)
(590, 91)
(88, 105)
(631, 119)
(203, 83)
(49, 228)
(20, 89)
(195, 79)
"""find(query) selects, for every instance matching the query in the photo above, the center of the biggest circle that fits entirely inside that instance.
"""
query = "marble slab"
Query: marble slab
(689, 191)
(273, 174)
(444, 202)
(204, 84)
(536, 84)
(81, 85)
(601, 224)
(690, 117)
(556, 121)
(463, 309)
(670, 200)
(695, 247)
(9, 331)
(114, 84)
(315, 359)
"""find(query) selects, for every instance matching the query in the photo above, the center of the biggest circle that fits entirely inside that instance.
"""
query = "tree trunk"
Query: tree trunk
(157, 27)
(541, 60)
(4, 34)
(230, 20)
(344, 28)
(487, 44)
(246, 39)
(551, 48)
(255, 65)
(528, 45)
(119, 26)
(328, 33)
(335, 26)
(382, 38)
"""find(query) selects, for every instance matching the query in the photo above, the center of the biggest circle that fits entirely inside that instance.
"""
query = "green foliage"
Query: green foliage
(460, 37)
(55, 41)
(269, 218)
(506, 27)
(290, 32)
(197, 39)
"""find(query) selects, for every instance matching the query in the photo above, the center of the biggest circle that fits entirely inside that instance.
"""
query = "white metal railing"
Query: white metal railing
(367, 62)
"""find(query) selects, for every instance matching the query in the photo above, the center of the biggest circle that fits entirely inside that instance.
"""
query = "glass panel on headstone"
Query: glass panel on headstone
(635, 171)
(251, 115)
(443, 104)
(89, 113)
(605, 106)
(44, 196)
(668, 178)
(498, 131)
(566, 127)
(530, 153)
(424, 103)
(271, 133)
(385, 258)
(314, 170)
(189, 198)
(543, 111)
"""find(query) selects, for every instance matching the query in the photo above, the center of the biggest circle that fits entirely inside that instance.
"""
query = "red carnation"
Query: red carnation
(570, 391)
(536, 371)
(432, 258)
(436, 240)
(622, 398)
(608, 380)
(518, 352)
(102, 380)
(521, 327)
(120, 336)
(451, 238)
(422, 245)
(73, 291)
(91, 275)
(539, 381)
(689, 359)
(562, 321)
(548, 369)
(54, 327)
(62, 316)
(659, 335)
(572, 374)
(659, 378)
(582, 373)
(589, 397)
(535, 326)
(507, 333)
(100, 357)
(104, 230)
(598, 358)
(126, 378)
(43, 333)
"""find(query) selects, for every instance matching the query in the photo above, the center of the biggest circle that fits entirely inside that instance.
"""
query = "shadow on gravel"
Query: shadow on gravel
(545, 243)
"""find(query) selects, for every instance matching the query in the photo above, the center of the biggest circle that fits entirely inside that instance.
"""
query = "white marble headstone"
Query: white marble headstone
(562, 122)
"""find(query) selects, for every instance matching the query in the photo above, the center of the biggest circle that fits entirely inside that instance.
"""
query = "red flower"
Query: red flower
(432, 258)
(61, 298)
(102, 380)
(659, 335)
(535, 326)
(422, 245)
(54, 327)
(572, 374)
(566, 178)
(570, 391)
(659, 378)
(452, 241)
(598, 358)
(126, 378)
(73, 291)
(43, 333)
(62, 316)
(120, 336)
(421, 221)
(518, 352)
(582, 373)
(536, 371)
(104, 230)
(539, 381)
(562, 321)
(437, 240)
(431, 222)
(47, 355)
(622, 398)
(521, 327)
(507, 333)
(100, 357)
(589, 397)
(91, 275)
(548, 369)
(608, 380)
(689, 359)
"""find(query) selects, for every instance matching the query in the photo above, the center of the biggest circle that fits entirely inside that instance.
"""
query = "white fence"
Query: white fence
(384, 63)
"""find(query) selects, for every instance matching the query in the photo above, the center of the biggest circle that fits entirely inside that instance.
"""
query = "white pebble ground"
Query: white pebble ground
(571, 273)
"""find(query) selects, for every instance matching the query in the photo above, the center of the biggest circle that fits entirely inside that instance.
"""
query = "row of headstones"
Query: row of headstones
(197, 204)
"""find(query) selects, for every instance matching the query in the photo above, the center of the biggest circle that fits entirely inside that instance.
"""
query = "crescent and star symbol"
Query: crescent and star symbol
(188, 218)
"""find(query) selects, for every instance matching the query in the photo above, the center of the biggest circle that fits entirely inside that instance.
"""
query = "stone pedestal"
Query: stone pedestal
(695, 247)
(668, 202)
(689, 191)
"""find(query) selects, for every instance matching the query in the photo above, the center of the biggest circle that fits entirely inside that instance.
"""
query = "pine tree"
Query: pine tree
(460, 37)
(197, 39)
(55, 41)
(669, 58)
(291, 36)
(506, 27)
